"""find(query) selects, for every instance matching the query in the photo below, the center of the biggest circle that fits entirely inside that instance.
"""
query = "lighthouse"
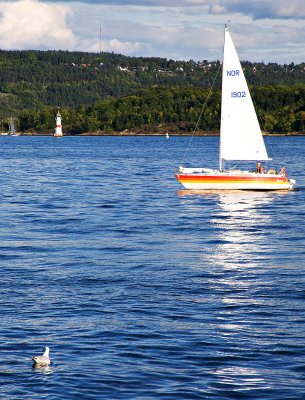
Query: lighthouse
(58, 129)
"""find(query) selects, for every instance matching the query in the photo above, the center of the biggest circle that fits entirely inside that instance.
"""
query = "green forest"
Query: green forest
(108, 93)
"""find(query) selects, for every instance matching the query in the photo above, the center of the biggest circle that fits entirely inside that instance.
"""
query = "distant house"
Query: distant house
(122, 68)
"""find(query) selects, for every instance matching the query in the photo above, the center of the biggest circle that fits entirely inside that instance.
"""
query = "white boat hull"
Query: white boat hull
(234, 180)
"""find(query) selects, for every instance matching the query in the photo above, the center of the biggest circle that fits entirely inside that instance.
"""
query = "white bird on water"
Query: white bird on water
(42, 360)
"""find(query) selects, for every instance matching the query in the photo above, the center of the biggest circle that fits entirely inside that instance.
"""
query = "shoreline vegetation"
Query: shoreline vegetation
(139, 132)
(106, 94)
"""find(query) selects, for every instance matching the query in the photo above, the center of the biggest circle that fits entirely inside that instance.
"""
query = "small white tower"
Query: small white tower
(58, 129)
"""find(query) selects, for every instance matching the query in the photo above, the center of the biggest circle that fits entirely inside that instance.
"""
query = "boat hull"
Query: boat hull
(234, 181)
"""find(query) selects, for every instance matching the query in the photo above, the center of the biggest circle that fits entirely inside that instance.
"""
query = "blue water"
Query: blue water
(141, 289)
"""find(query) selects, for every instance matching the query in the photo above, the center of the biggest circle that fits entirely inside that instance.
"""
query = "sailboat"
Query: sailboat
(241, 138)
(12, 130)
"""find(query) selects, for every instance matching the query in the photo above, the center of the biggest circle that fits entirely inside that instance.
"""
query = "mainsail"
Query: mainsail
(240, 133)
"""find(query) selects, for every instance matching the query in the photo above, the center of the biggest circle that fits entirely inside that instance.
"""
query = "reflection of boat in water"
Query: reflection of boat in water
(241, 139)
(236, 202)
(167, 135)
(245, 204)
(235, 199)
(237, 223)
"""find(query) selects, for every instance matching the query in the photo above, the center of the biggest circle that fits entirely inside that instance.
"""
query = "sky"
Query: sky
(262, 30)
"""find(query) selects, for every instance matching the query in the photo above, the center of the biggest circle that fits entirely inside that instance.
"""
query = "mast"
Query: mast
(224, 43)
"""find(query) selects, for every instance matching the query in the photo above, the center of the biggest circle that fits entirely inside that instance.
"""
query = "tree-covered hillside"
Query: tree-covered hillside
(106, 92)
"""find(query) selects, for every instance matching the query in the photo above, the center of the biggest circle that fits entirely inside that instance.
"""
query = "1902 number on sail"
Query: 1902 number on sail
(238, 94)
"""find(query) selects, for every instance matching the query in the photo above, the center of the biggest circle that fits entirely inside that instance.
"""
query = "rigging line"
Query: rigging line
(202, 110)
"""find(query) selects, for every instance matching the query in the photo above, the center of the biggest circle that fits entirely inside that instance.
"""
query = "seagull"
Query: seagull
(42, 360)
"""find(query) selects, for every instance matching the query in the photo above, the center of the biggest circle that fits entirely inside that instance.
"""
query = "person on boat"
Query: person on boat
(259, 168)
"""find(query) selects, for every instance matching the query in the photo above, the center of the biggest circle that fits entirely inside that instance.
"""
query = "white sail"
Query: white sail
(240, 134)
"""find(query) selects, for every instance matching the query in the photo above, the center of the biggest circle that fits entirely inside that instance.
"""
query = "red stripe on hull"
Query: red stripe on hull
(218, 178)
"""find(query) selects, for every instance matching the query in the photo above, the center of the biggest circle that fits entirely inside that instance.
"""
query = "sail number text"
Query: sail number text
(238, 94)
(233, 73)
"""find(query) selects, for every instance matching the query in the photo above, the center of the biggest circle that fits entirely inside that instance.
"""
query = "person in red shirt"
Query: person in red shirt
(259, 168)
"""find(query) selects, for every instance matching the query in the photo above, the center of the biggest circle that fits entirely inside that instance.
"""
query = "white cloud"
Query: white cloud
(261, 9)
(113, 45)
(30, 24)
(269, 30)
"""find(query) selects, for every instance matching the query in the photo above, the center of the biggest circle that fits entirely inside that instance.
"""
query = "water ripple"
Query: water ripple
(143, 290)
